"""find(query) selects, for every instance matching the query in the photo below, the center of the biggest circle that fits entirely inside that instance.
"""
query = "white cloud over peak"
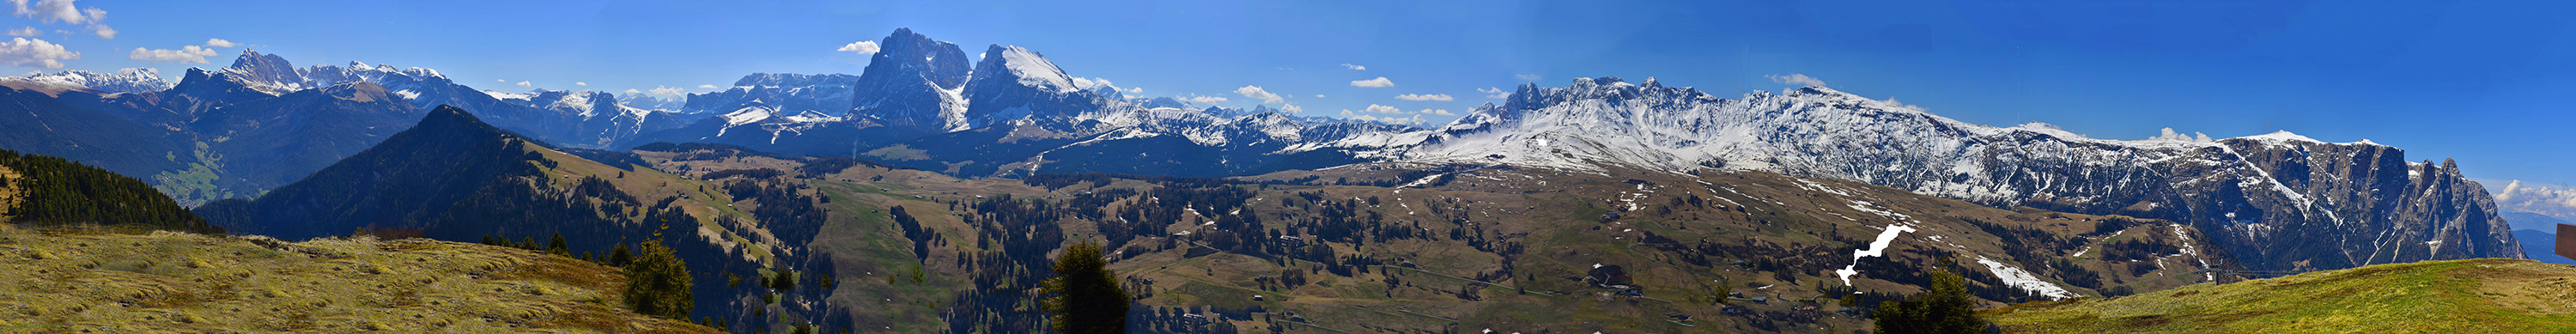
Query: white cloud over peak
(1494, 93)
(1424, 97)
(2170, 134)
(1291, 108)
(30, 52)
(220, 43)
(668, 92)
(1354, 67)
(860, 47)
(633, 91)
(1255, 92)
(1796, 79)
(1442, 112)
(707, 86)
(1379, 82)
(578, 83)
(1379, 109)
(184, 55)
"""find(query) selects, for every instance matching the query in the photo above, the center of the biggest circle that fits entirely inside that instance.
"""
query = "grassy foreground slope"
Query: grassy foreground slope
(54, 281)
(2467, 296)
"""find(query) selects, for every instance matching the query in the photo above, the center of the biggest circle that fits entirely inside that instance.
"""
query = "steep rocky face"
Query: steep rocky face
(913, 82)
(2276, 201)
(266, 72)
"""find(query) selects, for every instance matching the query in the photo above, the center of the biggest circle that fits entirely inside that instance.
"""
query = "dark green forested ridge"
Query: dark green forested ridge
(57, 191)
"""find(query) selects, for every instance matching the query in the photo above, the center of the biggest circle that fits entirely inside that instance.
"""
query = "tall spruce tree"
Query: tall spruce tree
(657, 283)
(1085, 297)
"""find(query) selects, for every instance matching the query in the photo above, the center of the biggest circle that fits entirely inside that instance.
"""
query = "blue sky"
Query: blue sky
(2487, 83)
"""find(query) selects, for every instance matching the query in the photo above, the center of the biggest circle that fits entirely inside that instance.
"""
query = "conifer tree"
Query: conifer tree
(620, 256)
(1085, 297)
(657, 283)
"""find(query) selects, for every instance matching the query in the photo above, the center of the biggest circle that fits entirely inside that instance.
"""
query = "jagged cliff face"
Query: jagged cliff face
(2277, 201)
(913, 82)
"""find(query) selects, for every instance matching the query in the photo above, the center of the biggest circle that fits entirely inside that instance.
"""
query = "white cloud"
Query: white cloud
(578, 83)
(1379, 82)
(51, 11)
(1378, 109)
(65, 12)
(707, 86)
(1255, 92)
(522, 84)
(1319, 96)
(668, 92)
(2170, 134)
(1135, 90)
(30, 52)
(26, 32)
(184, 55)
(500, 80)
(2556, 200)
(1526, 77)
(220, 43)
(860, 47)
(1442, 112)
(1203, 99)
(1796, 79)
(1494, 93)
(633, 91)
(1354, 67)
(1291, 108)
(1424, 97)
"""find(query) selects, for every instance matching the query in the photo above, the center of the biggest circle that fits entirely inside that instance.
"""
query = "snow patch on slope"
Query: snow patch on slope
(2023, 279)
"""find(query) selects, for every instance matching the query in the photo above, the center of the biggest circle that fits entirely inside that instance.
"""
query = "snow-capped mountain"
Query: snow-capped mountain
(1014, 113)
(649, 102)
(1014, 83)
(791, 93)
(603, 120)
(129, 80)
(2277, 201)
(579, 119)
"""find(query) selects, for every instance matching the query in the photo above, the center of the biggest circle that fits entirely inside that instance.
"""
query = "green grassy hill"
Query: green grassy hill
(65, 281)
(2462, 296)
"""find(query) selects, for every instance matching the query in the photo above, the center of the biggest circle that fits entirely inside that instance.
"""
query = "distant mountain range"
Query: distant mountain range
(2276, 201)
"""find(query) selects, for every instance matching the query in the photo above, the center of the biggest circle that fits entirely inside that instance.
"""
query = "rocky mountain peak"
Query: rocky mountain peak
(911, 83)
(265, 69)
